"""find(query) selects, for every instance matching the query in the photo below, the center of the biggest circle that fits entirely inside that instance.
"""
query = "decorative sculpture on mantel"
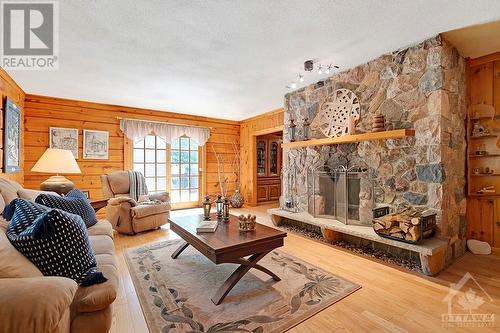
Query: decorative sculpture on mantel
(332, 118)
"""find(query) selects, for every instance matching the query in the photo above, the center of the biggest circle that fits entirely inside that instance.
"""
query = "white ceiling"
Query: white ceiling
(227, 58)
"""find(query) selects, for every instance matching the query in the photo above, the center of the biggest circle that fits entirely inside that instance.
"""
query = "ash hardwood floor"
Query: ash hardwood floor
(391, 299)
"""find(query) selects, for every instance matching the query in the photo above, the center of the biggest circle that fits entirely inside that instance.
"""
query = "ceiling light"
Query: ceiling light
(320, 69)
(328, 69)
(301, 78)
(293, 85)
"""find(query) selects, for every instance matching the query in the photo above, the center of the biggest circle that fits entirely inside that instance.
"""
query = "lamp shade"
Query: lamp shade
(57, 161)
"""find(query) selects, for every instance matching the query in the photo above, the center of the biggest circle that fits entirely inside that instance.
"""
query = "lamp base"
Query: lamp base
(58, 184)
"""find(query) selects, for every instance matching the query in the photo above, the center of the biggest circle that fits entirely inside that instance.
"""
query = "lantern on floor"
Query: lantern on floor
(305, 129)
(291, 130)
(207, 205)
(225, 210)
(218, 204)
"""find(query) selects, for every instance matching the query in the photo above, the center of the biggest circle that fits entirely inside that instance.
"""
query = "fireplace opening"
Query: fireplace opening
(343, 194)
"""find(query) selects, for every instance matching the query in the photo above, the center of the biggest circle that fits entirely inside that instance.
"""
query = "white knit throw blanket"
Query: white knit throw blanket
(137, 184)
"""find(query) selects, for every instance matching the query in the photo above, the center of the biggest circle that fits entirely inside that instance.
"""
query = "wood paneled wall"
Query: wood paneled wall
(43, 112)
(9, 88)
(249, 129)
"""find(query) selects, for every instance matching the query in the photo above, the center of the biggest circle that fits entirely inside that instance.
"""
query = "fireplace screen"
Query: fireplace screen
(341, 194)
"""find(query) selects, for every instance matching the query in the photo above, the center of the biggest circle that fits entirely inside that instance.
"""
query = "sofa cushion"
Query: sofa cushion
(31, 195)
(119, 182)
(74, 202)
(36, 304)
(55, 241)
(8, 191)
(102, 227)
(102, 244)
(12, 263)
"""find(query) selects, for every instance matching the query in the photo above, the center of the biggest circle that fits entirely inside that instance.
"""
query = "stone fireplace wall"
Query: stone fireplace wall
(420, 87)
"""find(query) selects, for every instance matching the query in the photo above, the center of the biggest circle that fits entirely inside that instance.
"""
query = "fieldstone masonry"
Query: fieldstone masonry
(421, 87)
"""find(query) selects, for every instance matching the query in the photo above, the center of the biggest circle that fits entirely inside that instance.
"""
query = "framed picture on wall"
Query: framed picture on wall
(95, 145)
(64, 138)
(11, 137)
(86, 193)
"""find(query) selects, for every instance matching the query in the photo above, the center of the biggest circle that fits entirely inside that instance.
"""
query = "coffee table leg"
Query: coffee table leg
(180, 249)
(245, 265)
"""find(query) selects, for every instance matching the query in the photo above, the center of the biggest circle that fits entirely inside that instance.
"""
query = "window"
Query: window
(184, 185)
(173, 168)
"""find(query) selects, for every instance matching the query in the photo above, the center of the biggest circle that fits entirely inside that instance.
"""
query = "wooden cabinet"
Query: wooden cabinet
(481, 214)
(268, 167)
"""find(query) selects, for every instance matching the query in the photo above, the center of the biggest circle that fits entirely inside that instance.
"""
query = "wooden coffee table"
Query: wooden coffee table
(228, 245)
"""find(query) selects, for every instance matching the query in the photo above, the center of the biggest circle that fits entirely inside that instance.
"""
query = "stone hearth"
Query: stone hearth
(420, 87)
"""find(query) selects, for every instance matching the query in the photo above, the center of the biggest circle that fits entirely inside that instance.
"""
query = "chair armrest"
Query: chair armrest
(161, 196)
(34, 304)
(120, 200)
(141, 211)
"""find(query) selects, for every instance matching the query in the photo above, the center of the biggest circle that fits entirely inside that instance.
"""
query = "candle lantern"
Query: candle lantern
(306, 129)
(207, 205)
(218, 204)
(225, 210)
(292, 128)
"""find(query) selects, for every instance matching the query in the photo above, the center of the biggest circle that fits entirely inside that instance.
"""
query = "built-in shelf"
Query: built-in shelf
(483, 137)
(484, 194)
(485, 174)
(394, 134)
(484, 156)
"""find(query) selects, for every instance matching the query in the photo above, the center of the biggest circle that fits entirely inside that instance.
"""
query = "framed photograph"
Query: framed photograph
(95, 145)
(64, 138)
(11, 137)
(86, 193)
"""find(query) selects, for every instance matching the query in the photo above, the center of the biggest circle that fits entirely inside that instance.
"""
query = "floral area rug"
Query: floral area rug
(175, 294)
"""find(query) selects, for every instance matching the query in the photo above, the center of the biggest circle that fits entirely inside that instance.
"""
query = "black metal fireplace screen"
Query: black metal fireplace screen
(344, 194)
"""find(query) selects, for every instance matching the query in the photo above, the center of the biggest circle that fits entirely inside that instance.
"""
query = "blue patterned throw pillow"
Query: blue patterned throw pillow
(56, 242)
(74, 202)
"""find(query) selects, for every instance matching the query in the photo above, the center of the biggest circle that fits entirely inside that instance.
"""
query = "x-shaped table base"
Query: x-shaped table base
(232, 280)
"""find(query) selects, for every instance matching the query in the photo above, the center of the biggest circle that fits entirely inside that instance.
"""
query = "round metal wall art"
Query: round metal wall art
(333, 114)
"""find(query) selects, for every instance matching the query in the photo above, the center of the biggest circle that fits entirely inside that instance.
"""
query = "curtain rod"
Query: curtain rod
(163, 122)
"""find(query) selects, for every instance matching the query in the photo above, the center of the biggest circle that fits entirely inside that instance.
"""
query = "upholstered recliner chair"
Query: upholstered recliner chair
(128, 215)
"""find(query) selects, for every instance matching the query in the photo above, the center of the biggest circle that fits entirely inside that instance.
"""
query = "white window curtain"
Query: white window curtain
(136, 130)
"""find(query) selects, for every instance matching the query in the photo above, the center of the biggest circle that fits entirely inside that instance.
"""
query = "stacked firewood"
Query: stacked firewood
(405, 225)
(378, 123)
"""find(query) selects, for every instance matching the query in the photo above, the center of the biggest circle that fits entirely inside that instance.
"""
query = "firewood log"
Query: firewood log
(414, 232)
(404, 226)
(415, 221)
(377, 226)
(395, 230)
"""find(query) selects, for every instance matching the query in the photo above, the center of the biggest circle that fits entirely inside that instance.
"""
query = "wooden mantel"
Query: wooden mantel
(394, 134)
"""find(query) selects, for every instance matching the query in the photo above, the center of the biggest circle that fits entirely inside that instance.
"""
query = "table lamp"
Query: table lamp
(57, 161)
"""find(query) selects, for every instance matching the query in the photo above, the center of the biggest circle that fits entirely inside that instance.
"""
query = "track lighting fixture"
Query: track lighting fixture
(301, 78)
(320, 69)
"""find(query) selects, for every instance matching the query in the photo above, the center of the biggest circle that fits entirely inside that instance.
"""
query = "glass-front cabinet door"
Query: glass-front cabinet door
(273, 158)
(261, 157)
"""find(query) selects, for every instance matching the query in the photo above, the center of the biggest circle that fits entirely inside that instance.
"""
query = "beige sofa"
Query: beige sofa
(31, 302)
(126, 214)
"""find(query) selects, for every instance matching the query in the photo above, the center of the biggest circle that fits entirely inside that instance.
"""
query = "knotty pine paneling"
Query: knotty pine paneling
(9, 88)
(249, 129)
(42, 112)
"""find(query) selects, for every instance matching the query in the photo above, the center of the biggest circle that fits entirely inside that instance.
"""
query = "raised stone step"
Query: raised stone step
(431, 251)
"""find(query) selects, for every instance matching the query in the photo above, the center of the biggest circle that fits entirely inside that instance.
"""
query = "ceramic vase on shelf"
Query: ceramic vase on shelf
(237, 199)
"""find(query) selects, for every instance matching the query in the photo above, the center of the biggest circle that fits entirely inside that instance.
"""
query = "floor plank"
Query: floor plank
(391, 299)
